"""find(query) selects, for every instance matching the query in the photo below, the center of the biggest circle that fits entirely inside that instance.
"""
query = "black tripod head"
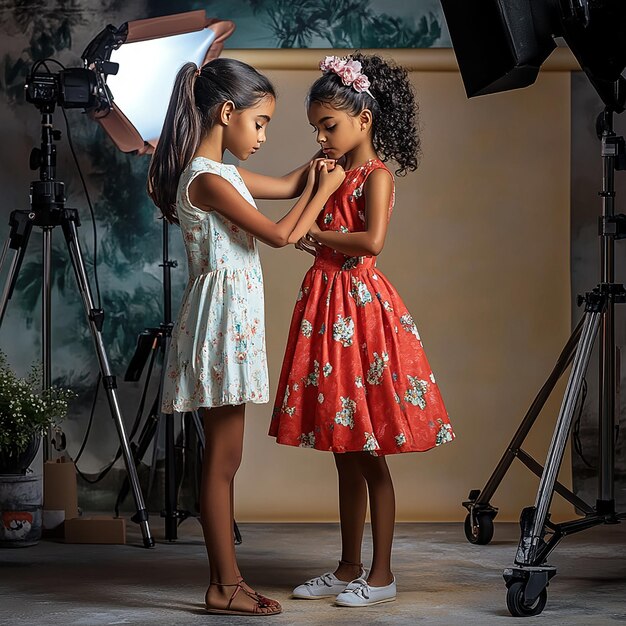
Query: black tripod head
(46, 194)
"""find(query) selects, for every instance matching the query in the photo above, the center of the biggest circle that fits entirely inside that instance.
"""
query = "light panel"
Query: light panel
(143, 85)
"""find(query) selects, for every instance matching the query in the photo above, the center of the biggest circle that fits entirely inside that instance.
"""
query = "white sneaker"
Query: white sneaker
(359, 593)
(325, 586)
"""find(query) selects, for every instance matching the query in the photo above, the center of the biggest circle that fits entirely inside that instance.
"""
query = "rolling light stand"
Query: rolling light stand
(47, 200)
(528, 578)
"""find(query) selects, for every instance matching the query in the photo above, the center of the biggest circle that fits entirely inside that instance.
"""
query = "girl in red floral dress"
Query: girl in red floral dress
(355, 380)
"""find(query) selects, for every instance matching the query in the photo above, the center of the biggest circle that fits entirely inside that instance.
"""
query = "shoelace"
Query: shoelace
(361, 589)
(324, 579)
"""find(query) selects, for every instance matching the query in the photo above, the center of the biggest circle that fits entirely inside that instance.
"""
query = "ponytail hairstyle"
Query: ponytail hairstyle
(391, 100)
(196, 98)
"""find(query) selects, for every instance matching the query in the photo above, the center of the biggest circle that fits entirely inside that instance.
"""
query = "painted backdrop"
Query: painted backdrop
(128, 231)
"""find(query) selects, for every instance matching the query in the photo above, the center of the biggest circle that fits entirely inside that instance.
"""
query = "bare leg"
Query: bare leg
(383, 513)
(352, 508)
(223, 428)
(237, 572)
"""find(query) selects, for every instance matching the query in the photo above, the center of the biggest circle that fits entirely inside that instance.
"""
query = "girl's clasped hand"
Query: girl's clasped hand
(320, 169)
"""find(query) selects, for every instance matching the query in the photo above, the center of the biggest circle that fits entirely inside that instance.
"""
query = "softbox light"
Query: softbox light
(501, 44)
(149, 53)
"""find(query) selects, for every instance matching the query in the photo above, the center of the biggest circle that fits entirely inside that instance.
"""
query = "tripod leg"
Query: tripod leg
(110, 385)
(21, 226)
(534, 518)
(147, 434)
(531, 416)
(157, 417)
(479, 520)
(46, 312)
(170, 512)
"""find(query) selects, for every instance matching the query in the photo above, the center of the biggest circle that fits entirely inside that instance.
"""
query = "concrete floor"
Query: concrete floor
(442, 579)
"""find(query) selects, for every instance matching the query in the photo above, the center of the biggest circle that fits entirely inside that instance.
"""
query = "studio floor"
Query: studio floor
(442, 579)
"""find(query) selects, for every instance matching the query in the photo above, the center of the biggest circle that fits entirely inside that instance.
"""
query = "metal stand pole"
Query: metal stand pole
(160, 339)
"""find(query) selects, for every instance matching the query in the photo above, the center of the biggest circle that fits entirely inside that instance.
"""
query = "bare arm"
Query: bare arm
(277, 187)
(327, 181)
(211, 192)
(377, 190)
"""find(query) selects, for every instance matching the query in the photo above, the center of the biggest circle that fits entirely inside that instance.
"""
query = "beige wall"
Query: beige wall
(478, 247)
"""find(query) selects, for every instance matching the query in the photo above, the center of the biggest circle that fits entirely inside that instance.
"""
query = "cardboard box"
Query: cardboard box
(95, 529)
(59, 487)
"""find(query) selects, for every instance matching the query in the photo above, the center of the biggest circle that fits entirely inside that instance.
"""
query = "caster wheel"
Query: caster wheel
(517, 605)
(482, 533)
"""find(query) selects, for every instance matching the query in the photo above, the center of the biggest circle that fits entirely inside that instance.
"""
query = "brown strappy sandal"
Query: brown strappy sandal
(262, 598)
(261, 603)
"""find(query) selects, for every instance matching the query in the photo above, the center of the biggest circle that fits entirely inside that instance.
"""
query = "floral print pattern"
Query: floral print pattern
(307, 328)
(314, 377)
(370, 443)
(445, 434)
(360, 292)
(345, 417)
(307, 440)
(217, 353)
(343, 331)
(416, 394)
(375, 373)
(361, 383)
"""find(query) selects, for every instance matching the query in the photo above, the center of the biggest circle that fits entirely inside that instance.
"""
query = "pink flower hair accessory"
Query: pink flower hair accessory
(349, 71)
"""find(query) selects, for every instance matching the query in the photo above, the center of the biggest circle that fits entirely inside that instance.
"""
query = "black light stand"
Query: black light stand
(501, 45)
(47, 200)
(528, 579)
(154, 344)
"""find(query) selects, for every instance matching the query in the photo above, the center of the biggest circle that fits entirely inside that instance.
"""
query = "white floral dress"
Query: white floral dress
(217, 353)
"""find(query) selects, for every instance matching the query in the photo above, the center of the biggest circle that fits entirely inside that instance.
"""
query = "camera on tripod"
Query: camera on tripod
(72, 88)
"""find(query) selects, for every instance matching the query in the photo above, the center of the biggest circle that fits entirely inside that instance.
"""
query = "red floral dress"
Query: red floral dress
(355, 376)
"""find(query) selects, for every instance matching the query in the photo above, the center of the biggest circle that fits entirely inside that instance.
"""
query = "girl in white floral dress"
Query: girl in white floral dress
(216, 361)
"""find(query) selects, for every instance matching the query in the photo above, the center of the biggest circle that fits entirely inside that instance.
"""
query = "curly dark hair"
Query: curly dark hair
(393, 106)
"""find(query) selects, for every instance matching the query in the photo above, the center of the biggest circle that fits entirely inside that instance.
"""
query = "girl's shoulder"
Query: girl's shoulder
(198, 165)
(361, 181)
(201, 164)
(363, 171)
(357, 177)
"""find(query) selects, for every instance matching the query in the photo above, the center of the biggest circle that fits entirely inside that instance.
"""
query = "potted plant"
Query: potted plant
(26, 413)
